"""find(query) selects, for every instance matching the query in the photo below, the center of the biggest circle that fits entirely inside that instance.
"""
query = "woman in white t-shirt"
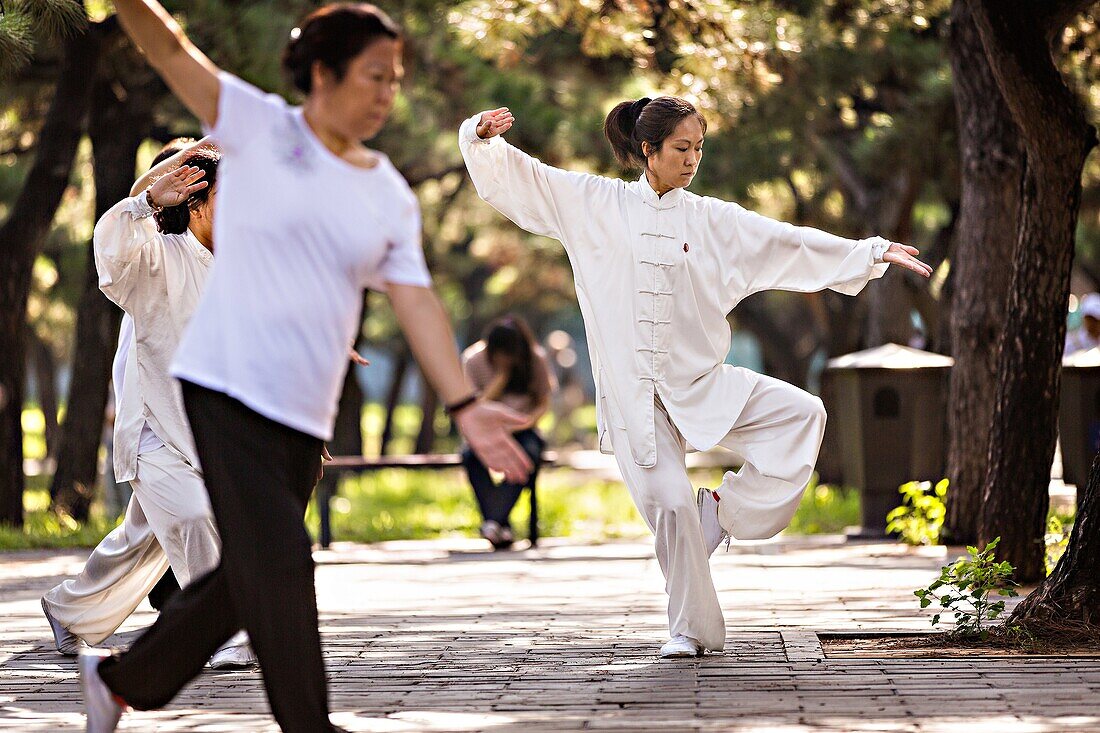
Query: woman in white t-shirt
(307, 217)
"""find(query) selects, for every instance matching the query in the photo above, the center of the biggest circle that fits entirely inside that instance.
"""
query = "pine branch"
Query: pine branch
(16, 44)
(55, 18)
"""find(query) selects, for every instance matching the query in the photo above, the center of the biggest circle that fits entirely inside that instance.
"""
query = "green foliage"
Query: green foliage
(920, 517)
(964, 587)
(44, 529)
(21, 20)
(1056, 539)
(825, 509)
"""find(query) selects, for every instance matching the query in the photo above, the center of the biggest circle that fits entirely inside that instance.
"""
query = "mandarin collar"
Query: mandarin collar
(650, 197)
(204, 255)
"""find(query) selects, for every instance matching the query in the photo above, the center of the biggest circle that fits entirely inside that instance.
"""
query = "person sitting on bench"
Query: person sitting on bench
(507, 365)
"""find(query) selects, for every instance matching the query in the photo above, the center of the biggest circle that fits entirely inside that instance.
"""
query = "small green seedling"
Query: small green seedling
(964, 589)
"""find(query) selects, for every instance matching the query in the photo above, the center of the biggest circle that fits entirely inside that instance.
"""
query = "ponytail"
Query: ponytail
(619, 130)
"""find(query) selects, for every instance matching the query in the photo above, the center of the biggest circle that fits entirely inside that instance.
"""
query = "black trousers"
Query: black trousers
(260, 475)
(497, 501)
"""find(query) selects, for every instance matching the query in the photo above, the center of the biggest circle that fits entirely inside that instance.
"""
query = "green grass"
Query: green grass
(396, 504)
(825, 509)
(44, 529)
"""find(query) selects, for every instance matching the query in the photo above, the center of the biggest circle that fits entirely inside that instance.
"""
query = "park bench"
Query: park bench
(344, 465)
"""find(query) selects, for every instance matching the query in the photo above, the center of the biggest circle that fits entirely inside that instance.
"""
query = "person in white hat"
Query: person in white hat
(1087, 335)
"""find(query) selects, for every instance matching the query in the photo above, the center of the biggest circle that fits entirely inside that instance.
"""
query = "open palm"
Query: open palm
(495, 122)
(905, 256)
(172, 189)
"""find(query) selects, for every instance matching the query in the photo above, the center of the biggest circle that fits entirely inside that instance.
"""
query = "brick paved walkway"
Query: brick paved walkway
(443, 637)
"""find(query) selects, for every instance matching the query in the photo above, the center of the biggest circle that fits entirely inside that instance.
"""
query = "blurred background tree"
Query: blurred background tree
(840, 114)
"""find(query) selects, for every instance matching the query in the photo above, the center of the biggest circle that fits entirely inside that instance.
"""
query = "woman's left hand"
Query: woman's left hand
(358, 358)
(906, 256)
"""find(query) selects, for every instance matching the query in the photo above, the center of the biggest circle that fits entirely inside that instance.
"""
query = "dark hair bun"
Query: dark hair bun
(173, 219)
(334, 35)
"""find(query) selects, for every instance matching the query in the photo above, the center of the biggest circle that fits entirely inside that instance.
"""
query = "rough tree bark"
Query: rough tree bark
(119, 120)
(1067, 603)
(20, 238)
(1018, 37)
(981, 270)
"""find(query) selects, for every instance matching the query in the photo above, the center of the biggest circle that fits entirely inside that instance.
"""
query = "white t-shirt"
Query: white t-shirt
(300, 233)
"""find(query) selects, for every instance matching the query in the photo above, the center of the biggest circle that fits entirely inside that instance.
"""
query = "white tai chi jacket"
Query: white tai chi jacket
(656, 278)
(158, 280)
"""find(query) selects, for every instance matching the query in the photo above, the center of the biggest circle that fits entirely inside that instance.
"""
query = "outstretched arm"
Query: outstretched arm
(191, 76)
(538, 197)
(766, 254)
(486, 426)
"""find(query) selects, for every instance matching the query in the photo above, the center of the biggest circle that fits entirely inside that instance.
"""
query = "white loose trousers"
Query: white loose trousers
(168, 522)
(777, 436)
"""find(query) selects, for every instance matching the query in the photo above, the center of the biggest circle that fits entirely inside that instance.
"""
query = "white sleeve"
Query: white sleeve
(539, 198)
(121, 238)
(241, 107)
(775, 255)
(404, 261)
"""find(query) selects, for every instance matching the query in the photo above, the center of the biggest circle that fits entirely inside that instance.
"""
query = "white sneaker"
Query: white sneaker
(234, 654)
(681, 646)
(491, 531)
(100, 706)
(713, 534)
(67, 643)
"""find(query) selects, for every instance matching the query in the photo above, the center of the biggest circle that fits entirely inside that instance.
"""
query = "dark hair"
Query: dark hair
(175, 219)
(334, 35)
(645, 120)
(512, 336)
(171, 148)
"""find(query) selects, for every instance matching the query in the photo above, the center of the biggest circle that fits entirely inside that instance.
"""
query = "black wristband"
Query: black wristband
(456, 407)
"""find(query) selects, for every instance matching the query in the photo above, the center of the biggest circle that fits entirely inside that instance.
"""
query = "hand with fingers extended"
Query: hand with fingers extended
(488, 428)
(495, 122)
(173, 189)
(905, 256)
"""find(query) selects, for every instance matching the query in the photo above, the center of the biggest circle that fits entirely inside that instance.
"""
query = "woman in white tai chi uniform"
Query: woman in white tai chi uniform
(657, 270)
(153, 254)
(307, 218)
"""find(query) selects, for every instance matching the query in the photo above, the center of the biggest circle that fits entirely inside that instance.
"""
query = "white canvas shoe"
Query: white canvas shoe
(67, 643)
(100, 706)
(681, 646)
(713, 534)
(234, 654)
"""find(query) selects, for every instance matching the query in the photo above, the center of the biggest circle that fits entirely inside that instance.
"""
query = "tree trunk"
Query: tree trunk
(429, 405)
(347, 432)
(1017, 37)
(981, 270)
(1069, 600)
(20, 237)
(393, 398)
(45, 378)
(121, 115)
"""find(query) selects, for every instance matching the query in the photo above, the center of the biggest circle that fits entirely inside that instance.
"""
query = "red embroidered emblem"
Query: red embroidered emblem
(685, 246)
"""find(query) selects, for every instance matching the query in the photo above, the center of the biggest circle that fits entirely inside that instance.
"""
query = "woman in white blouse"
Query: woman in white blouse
(657, 270)
(153, 253)
(307, 218)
